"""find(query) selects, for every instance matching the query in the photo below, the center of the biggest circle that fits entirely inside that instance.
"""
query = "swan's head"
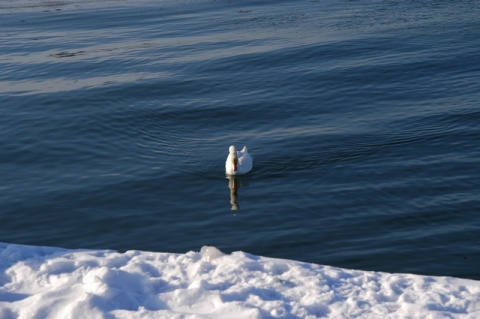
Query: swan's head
(234, 157)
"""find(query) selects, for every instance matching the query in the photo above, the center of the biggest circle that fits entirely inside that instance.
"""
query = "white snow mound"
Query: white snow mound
(41, 282)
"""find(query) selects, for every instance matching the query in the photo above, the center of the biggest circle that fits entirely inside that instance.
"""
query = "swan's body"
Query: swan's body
(238, 162)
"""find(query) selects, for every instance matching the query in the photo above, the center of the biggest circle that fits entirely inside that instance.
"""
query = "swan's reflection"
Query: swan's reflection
(236, 182)
(234, 185)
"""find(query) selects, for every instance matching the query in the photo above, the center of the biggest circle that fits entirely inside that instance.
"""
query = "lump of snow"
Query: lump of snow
(210, 253)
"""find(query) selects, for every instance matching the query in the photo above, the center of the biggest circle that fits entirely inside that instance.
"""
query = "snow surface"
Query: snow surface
(44, 282)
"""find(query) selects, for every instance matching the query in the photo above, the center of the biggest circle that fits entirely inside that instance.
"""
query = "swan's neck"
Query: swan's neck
(234, 161)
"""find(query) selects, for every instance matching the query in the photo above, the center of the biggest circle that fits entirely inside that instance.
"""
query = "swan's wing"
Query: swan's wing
(245, 163)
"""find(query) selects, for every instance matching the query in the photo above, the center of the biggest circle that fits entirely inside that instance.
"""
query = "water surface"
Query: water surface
(362, 117)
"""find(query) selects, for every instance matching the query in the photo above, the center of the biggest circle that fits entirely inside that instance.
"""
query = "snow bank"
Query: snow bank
(40, 282)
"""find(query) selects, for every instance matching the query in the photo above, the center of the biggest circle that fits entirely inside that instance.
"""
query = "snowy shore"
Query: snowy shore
(45, 282)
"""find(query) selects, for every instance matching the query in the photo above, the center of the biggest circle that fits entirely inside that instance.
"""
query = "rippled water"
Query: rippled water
(362, 117)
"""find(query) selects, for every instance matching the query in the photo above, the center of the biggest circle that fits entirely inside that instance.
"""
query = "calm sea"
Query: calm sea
(363, 118)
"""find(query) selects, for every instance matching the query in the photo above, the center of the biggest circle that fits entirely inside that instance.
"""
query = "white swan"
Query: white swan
(238, 162)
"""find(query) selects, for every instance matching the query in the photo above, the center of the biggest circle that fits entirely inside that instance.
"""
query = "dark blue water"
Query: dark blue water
(362, 117)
